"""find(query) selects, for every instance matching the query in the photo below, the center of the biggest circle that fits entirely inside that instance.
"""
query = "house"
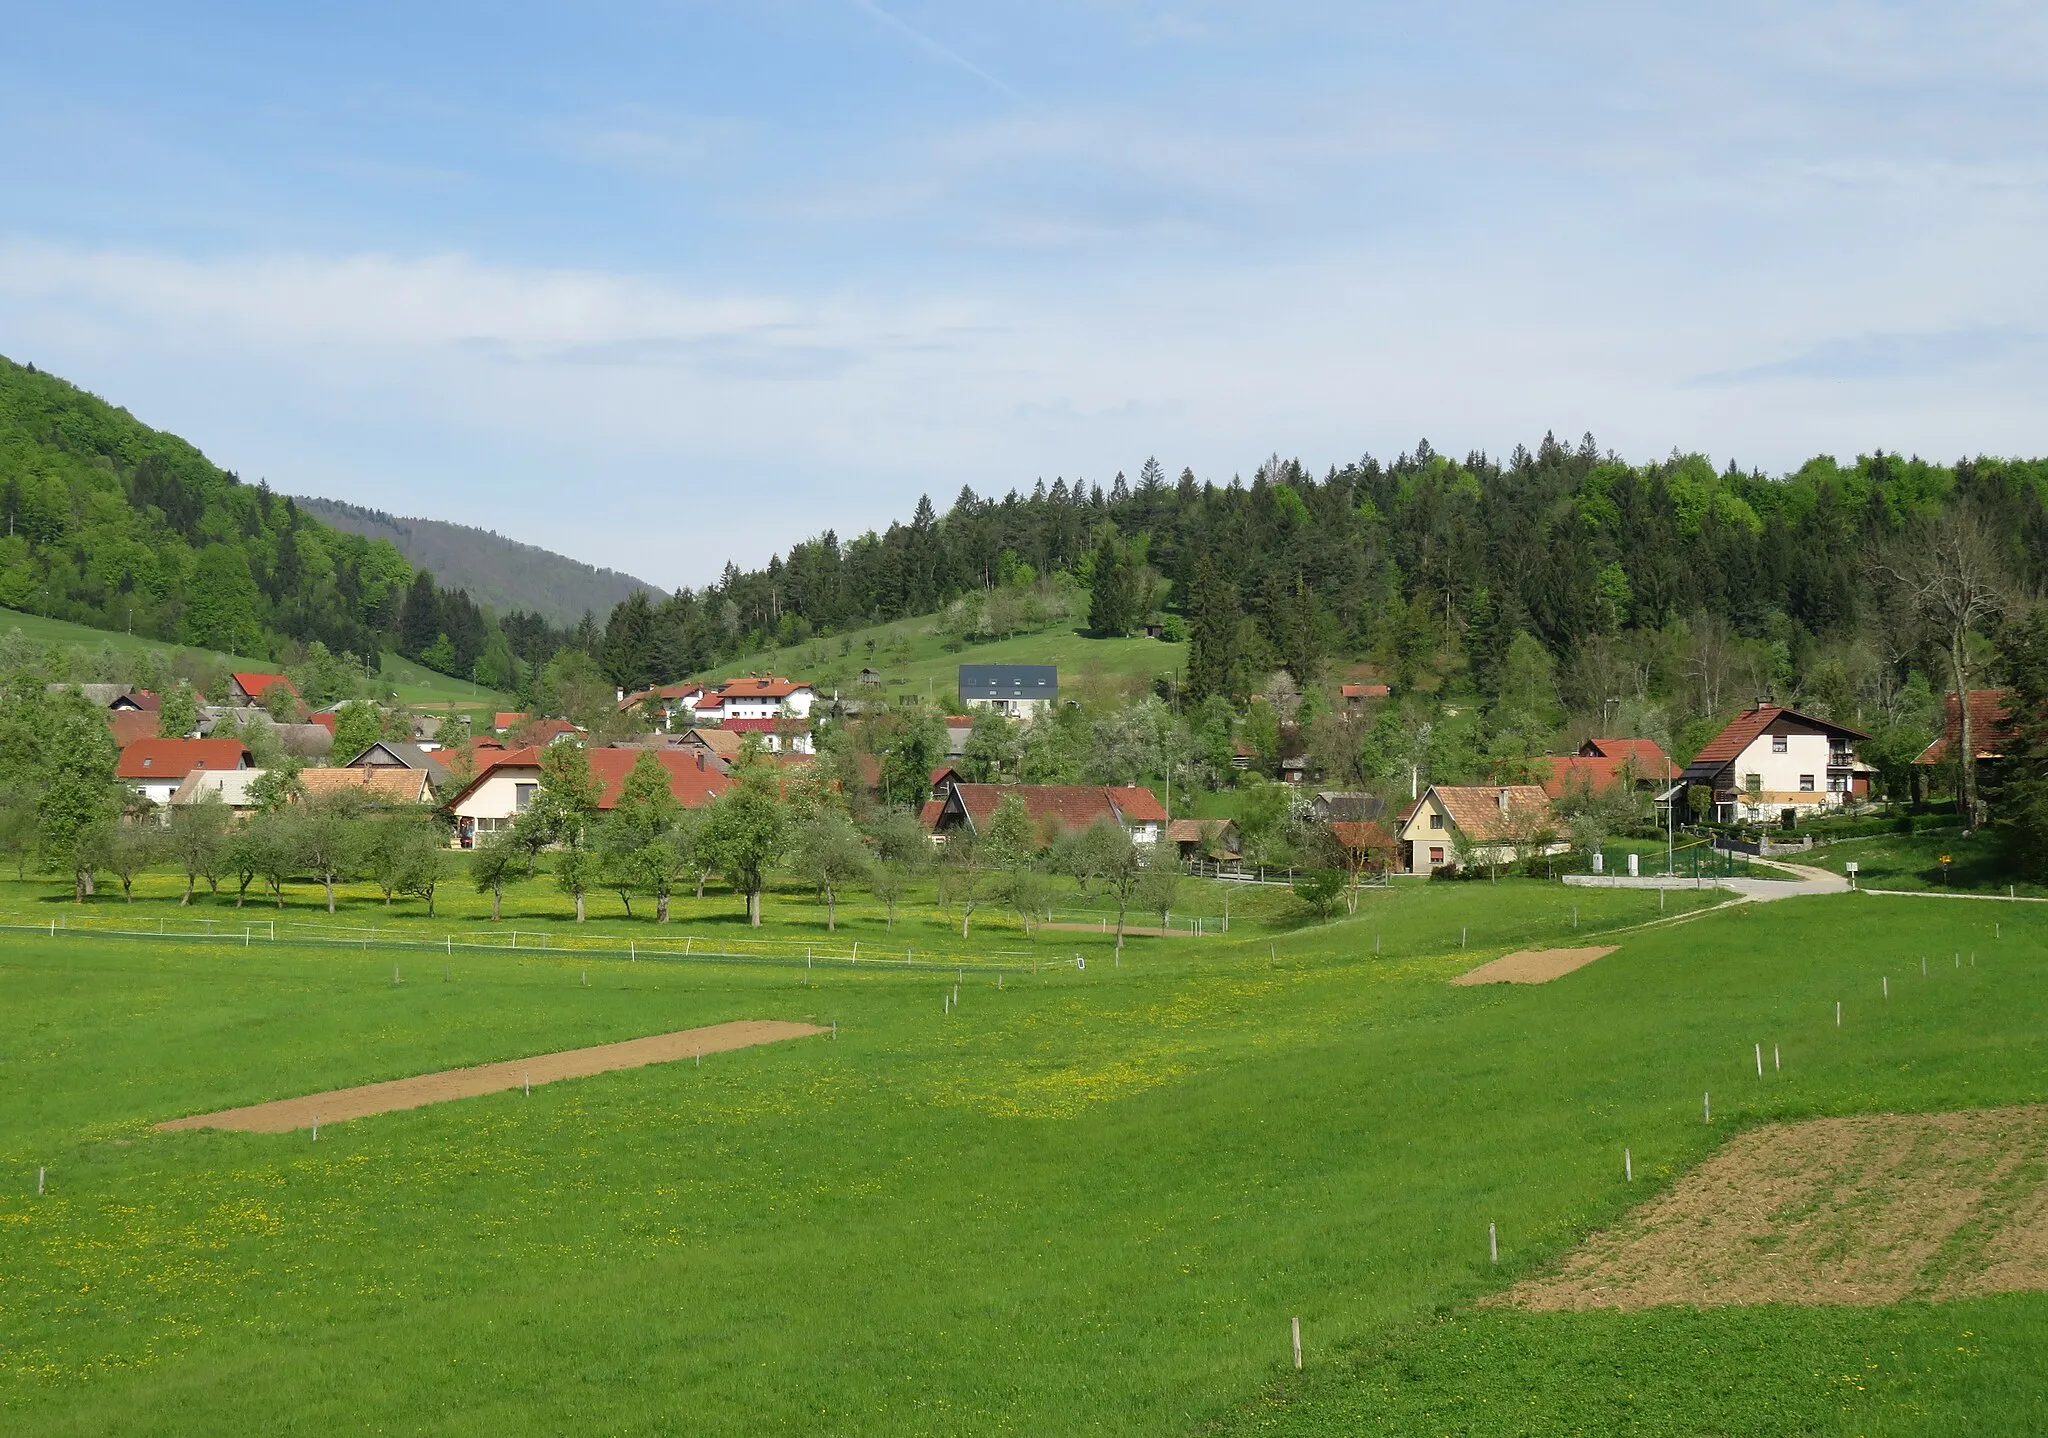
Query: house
(943, 779)
(1018, 690)
(870, 676)
(665, 701)
(249, 687)
(506, 720)
(382, 784)
(397, 754)
(535, 732)
(231, 786)
(1365, 843)
(1772, 762)
(1499, 824)
(1602, 767)
(1347, 805)
(721, 747)
(1356, 696)
(1056, 806)
(115, 698)
(959, 729)
(129, 725)
(1991, 728)
(493, 801)
(778, 736)
(758, 696)
(158, 766)
(1214, 840)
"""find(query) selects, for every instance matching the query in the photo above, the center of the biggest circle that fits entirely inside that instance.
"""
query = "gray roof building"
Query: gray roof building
(1009, 683)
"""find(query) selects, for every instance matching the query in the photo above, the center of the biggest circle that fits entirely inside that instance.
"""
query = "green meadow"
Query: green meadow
(413, 683)
(1085, 1200)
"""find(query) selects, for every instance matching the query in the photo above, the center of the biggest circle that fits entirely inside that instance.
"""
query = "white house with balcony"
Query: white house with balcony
(1773, 764)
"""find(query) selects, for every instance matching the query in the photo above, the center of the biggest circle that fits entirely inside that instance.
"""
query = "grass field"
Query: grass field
(912, 660)
(414, 685)
(1978, 864)
(1088, 1201)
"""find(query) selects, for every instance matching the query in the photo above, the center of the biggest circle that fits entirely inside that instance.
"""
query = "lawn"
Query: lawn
(414, 685)
(1977, 863)
(1088, 1201)
(912, 660)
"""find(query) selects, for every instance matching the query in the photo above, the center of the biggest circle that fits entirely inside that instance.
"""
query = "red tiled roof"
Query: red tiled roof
(130, 725)
(763, 725)
(253, 684)
(508, 719)
(1066, 806)
(759, 686)
(1991, 728)
(928, 813)
(1363, 691)
(1648, 753)
(1595, 775)
(540, 731)
(145, 699)
(1486, 812)
(1744, 730)
(175, 758)
(693, 785)
(1361, 834)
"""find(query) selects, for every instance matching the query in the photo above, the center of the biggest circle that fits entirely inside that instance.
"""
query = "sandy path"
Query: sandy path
(1532, 966)
(287, 1114)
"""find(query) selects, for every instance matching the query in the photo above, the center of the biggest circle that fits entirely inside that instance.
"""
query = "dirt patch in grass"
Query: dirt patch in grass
(1532, 966)
(284, 1115)
(1840, 1210)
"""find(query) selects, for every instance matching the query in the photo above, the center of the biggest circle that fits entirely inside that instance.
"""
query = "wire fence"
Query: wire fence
(539, 943)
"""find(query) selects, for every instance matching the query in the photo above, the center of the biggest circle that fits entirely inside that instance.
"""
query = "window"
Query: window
(1806, 783)
(1838, 783)
(522, 797)
(1754, 783)
(1436, 820)
(1436, 854)
(1777, 743)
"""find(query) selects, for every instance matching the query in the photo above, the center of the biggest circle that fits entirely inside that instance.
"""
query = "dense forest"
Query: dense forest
(1562, 582)
(114, 524)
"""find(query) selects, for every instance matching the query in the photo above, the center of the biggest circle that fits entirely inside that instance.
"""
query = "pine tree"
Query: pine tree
(1111, 594)
(1214, 622)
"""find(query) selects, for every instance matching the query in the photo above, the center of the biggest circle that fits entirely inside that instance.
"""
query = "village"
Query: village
(1771, 770)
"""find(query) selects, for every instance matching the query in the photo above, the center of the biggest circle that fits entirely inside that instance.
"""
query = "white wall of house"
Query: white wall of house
(796, 705)
(497, 802)
(1426, 838)
(157, 791)
(1026, 709)
(1791, 771)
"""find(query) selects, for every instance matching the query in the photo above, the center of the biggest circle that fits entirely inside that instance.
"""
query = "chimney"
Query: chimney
(622, 696)
(1503, 801)
(700, 761)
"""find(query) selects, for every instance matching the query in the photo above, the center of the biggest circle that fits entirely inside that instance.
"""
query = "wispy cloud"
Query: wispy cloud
(1928, 355)
(932, 47)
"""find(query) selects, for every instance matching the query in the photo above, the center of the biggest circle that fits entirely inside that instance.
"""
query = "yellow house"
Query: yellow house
(1499, 824)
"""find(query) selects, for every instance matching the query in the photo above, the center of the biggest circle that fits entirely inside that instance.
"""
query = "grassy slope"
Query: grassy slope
(414, 684)
(913, 660)
(1913, 861)
(1088, 1202)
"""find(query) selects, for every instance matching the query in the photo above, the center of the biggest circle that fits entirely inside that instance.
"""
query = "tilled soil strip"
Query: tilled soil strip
(1532, 966)
(284, 1115)
(1875, 1209)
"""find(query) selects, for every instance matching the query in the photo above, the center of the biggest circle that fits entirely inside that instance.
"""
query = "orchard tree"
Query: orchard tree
(746, 832)
(830, 855)
(80, 796)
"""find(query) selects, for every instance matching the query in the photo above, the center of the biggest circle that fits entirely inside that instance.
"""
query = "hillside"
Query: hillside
(101, 654)
(502, 573)
(121, 527)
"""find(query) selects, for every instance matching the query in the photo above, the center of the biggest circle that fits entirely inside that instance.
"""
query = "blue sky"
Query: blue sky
(659, 285)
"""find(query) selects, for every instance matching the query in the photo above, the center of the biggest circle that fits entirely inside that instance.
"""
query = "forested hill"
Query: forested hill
(111, 523)
(500, 573)
(1406, 563)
